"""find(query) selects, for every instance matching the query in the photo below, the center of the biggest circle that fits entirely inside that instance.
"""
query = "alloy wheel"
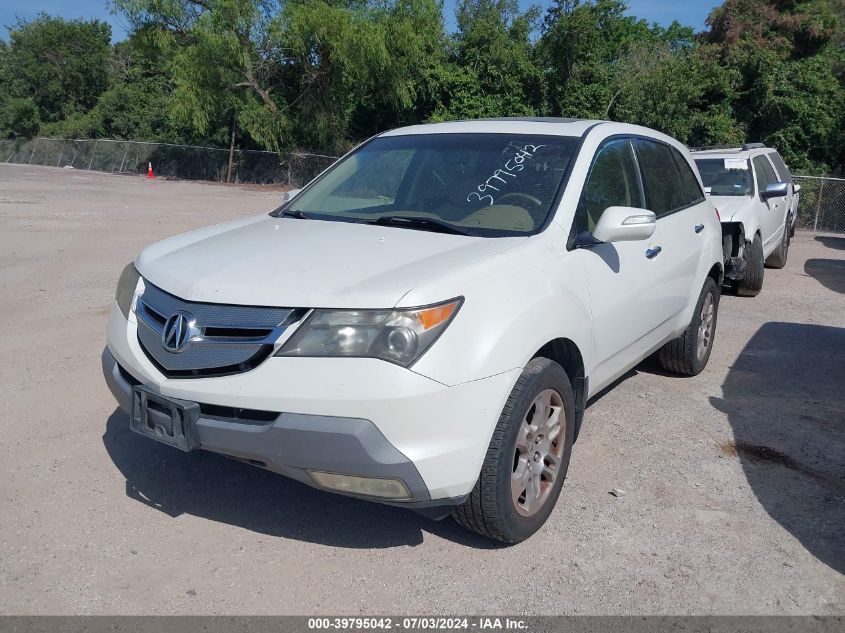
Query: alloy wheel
(705, 328)
(539, 452)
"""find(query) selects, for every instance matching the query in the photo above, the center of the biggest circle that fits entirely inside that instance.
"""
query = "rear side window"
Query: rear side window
(689, 183)
(663, 189)
(780, 166)
(614, 181)
(764, 172)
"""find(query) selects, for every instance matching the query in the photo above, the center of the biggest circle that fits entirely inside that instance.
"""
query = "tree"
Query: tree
(788, 56)
(681, 92)
(357, 68)
(136, 104)
(60, 65)
(222, 60)
(326, 74)
(581, 44)
(492, 70)
(19, 118)
(311, 72)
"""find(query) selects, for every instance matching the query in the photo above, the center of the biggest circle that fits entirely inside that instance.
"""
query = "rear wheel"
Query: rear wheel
(752, 282)
(688, 354)
(527, 459)
(778, 258)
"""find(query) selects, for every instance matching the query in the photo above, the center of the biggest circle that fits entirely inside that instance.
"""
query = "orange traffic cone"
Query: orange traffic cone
(150, 174)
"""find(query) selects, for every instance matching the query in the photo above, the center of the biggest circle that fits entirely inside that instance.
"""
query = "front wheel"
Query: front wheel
(527, 459)
(688, 354)
(752, 282)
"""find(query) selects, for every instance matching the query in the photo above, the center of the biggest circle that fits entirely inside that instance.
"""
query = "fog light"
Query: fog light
(367, 486)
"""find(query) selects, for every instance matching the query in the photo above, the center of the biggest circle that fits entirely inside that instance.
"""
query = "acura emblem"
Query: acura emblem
(179, 330)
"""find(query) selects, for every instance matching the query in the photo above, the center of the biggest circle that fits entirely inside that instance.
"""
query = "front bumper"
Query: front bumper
(287, 444)
(361, 417)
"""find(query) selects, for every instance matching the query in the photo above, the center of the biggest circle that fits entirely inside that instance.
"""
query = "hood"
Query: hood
(307, 263)
(729, 206)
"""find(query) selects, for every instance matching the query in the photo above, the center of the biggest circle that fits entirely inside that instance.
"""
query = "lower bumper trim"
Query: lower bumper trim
(295, 443)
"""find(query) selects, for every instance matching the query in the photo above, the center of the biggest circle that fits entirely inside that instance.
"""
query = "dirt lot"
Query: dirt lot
(735, 497)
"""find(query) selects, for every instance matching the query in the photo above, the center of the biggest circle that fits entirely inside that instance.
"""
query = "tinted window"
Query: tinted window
(662, 184)
(782, 169)
(764, 172)
(690, 188)
(485, 184)
(614, 181)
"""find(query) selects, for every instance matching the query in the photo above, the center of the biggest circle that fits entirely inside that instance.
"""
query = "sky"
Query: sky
(687, 12)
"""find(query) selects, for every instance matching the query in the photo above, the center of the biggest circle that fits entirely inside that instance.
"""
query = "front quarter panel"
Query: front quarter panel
(748, 216)
(528, 296)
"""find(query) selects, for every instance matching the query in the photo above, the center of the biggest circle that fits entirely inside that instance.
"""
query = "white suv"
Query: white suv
(424, 323)
(753, 191)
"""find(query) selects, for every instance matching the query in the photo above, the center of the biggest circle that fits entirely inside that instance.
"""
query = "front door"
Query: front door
(625, 297)
(774, 209)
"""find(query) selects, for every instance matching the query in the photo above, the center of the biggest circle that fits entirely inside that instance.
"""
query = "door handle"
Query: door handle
(653, 252)
(699, 228)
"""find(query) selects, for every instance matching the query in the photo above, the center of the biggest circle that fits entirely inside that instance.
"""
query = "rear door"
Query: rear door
(674, 194)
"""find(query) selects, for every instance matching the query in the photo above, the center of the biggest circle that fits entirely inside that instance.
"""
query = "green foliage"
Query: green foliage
(19, 118)
(325, 74)
(492, 71)
(789, 89)
(61, 65)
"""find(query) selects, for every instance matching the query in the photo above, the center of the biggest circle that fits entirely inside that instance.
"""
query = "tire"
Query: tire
(778, 258)
(495, 508)
(688, 354)
(752, 282)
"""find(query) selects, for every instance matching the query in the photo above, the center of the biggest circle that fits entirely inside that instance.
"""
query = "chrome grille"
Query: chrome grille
(227, 339)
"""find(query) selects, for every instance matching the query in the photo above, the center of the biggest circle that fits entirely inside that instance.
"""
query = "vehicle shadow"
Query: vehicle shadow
(828, 272)
(832, 242)
(220, 489)
(785, 401)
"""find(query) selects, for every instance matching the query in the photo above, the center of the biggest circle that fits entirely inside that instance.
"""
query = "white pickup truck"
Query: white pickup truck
(423, 324)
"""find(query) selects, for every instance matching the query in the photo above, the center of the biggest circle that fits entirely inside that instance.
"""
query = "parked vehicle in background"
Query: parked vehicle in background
(423, 324)
(758, 203)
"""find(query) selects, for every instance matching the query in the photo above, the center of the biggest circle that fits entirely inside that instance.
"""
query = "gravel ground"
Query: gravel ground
(734, 504)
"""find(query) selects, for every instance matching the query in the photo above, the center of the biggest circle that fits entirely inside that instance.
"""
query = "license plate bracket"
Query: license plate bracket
(167, 420)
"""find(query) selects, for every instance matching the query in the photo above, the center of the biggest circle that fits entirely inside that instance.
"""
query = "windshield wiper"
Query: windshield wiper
(299, 215)
(413, 222)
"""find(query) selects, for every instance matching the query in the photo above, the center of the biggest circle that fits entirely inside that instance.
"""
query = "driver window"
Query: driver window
(764, 172)
(614, 181)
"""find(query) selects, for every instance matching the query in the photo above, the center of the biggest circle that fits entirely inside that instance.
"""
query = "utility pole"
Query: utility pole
(231, 152)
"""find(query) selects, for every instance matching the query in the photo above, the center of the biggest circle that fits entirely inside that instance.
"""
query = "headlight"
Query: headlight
(126, 288)
(400, 336)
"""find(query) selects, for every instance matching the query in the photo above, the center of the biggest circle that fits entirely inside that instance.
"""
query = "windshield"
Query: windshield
(478, 184)
(726, 176)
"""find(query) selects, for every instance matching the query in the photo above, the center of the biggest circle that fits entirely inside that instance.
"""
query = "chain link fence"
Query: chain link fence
(169, 160)
(822, 204)
(821, 208)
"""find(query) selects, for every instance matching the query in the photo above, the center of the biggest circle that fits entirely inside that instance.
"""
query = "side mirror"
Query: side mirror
(775, 190)
(625, 224)
(796, 187)
(287, 196)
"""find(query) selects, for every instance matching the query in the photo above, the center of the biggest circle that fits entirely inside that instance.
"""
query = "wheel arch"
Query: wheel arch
(717, 274)
(565, 352)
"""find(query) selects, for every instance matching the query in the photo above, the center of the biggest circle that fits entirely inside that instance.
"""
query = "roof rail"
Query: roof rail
(705, 148)
(745, 147)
